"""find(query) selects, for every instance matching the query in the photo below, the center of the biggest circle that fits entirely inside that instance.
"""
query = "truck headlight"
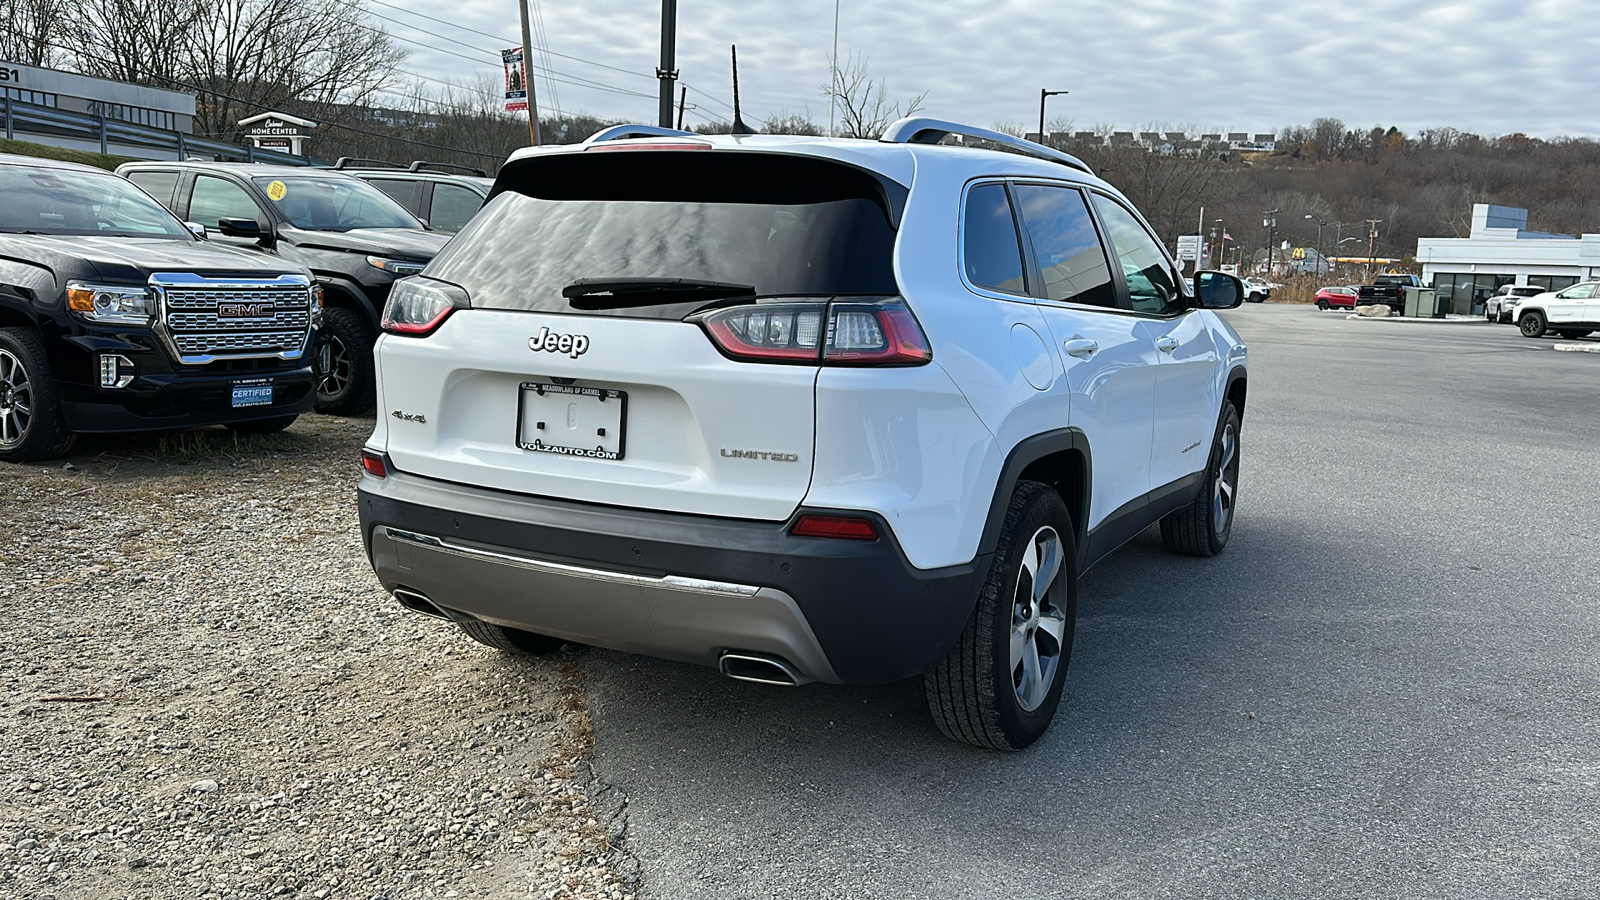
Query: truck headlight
(111, 303)
(398, 267)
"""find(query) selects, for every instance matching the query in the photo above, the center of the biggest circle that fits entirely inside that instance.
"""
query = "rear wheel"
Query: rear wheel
(1001, 684)
(1532, 324)
(31, 427)
(262, 426)
(1202, 528)
(511, 640)
(345, 378)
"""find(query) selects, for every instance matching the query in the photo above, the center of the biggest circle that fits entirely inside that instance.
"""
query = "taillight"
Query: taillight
(374, 464)
(848, 528)
(417, 306)
(836, 333)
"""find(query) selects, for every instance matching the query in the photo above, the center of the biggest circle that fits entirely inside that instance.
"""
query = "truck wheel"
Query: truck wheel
(262, 426)
(1532, 324)
(1202, 528)
(346, 388)
(31, 428)
(510, 640)
(1000, 686)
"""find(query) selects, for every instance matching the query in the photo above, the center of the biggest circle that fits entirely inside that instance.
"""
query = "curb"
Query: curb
(1463, 320)
(1577, 348)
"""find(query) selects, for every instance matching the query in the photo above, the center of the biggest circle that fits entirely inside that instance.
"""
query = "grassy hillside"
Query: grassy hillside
(100, 160)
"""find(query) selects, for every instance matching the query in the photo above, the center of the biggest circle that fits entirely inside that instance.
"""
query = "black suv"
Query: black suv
(443, 195)
(114, 316)
(352, 236)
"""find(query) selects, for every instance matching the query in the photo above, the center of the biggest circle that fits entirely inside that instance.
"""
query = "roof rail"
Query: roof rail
(357, 162)
(932, 131)
(623, 132)
(423, 165)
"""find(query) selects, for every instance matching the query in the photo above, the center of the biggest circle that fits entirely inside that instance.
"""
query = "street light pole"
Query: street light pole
(1372, 244)
(1269, 221)
(665, 72)
(1320, 223)
(1043, 94)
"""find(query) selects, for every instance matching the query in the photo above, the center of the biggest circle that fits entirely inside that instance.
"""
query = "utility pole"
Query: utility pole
(683, 98)
(1042, 95)
(1269, 221)
(665, 72)
(527, 74)
(1320, 223)
(833, 65)
(1372, 244)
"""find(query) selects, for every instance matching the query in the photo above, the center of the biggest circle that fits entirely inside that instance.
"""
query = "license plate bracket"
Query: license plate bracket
(568, 420)
(252, 393)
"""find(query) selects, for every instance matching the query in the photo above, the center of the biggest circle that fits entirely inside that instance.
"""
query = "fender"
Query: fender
(14, 306)
(353, 292)
(1024, 454)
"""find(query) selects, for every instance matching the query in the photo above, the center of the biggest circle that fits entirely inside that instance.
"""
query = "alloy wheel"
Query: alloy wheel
(16, 400)
(1038, 623)
(1224, 481)
(336, 380)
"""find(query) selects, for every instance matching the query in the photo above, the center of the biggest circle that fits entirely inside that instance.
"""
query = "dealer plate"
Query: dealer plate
(567, 420)
(252, 393)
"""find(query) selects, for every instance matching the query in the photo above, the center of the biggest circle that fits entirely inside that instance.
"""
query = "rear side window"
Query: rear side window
(406, 191)
(989, 248)
(160, 185)
(1064, 240)
(785, 225)
(453, 207)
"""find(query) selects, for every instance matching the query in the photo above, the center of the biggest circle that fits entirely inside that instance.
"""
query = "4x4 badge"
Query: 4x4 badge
(574, 345)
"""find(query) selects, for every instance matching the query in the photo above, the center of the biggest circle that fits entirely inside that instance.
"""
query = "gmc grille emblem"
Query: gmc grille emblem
(245, 310)
(573, 345)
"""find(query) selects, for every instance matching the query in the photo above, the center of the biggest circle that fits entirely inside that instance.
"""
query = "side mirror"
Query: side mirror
(1216, 290)
(196, 229)
(244, 228)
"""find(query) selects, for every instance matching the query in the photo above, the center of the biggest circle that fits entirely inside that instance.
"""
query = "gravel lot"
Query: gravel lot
(206, 694)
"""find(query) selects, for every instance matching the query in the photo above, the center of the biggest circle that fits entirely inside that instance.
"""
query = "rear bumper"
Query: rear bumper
(662, 584)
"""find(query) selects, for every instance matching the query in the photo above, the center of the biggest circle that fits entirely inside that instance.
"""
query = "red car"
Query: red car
(1329, 297)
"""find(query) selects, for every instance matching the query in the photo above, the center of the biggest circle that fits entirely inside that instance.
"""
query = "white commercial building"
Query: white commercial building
(1501, 250)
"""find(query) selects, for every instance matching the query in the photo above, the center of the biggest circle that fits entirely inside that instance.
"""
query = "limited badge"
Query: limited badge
(276, 190)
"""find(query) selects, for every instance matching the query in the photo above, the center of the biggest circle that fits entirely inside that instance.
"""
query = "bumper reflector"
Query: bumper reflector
(374, 464)
(842, 527)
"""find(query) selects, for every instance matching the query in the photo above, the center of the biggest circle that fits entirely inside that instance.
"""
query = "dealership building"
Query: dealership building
(81, 96)
(1501, 250)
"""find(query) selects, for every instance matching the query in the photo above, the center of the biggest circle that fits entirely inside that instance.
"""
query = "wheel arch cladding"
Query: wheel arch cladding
(1060, 459)
(1237, 383)
(337, 293)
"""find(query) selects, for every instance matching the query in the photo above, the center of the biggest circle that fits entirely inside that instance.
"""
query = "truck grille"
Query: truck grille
(210, 319)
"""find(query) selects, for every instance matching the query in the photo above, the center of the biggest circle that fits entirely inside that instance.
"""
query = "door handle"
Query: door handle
(1082, 348)
(1166, 344)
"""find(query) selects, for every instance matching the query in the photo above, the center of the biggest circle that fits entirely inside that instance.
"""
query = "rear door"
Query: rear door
(636, 404)
(1108, 354)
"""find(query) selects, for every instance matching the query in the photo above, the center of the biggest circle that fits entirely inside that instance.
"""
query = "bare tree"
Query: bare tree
(864, 105)
(139, 41)
(31, 31)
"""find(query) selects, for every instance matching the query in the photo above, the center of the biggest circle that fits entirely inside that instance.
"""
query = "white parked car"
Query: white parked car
(1573, 312)
(1257, 290)
(754, 403)
(1499, 305)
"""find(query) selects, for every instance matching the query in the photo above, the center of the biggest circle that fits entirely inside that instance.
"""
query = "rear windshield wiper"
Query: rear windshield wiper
(627, 293)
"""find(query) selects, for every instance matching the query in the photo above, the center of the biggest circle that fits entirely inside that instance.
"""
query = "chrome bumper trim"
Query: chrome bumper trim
(680, 583)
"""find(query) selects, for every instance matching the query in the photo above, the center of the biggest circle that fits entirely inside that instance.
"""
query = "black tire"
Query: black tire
(1323, 305)
(1532, 324)
(1257, 298)
(1503, 319)
(510, 640)
(1202, 528)
(347, 386)
(31, 427)
(1490, 316)
(976, 695)
(262, 426)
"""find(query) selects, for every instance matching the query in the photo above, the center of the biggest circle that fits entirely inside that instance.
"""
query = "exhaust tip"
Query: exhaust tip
(760, 668)
(416, 601)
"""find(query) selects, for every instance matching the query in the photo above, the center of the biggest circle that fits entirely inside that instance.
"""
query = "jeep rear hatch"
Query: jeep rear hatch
(641, 329)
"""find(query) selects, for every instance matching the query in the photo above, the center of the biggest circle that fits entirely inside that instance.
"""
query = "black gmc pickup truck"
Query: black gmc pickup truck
(116, 316)
(1387, 290)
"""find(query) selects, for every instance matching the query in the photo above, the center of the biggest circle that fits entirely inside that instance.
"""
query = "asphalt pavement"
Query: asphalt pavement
(1387, 686)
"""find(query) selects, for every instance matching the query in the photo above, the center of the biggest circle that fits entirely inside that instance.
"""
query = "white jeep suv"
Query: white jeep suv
(1572, 312)
(801, 409)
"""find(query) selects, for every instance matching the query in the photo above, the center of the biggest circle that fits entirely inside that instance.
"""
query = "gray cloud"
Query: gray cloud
(1491, 66)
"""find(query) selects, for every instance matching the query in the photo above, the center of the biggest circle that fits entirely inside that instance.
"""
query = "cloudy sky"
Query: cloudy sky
(1488, 66)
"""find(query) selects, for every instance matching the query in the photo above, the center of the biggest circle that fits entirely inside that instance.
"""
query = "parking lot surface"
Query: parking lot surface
(1387, 686)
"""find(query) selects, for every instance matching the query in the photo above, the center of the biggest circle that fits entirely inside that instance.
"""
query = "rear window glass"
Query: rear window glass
(786, 225)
